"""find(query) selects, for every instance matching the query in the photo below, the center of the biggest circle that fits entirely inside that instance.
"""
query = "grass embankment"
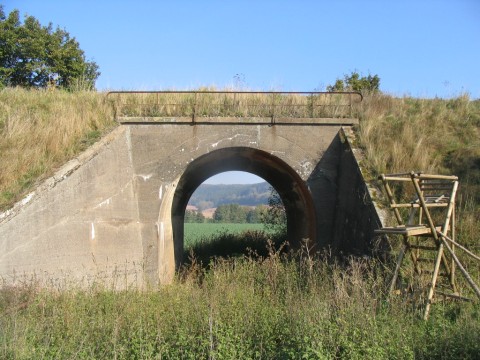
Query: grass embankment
(41, 130)
(433, 136)
(278, 306)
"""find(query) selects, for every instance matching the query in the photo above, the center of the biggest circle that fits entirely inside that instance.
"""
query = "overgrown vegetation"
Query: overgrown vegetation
(234, 241)
(203, 232)
(276, 307)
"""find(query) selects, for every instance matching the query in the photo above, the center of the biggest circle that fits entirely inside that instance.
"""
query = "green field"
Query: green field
(195, 232)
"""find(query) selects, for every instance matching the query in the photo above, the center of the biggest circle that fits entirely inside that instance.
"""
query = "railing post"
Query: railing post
(194, 108)
(350, 104)
(273, 109)
(312, 105)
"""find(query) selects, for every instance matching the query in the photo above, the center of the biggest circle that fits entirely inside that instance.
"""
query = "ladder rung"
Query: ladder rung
(425, 260)
(417, 205)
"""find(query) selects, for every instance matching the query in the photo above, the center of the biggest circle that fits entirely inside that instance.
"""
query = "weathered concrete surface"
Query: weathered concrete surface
(81, 222)
(357, 214)
(118, 209)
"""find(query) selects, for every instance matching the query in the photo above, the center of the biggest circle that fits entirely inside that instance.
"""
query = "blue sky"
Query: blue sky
(421, 48)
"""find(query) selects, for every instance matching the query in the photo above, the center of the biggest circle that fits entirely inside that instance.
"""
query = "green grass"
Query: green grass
(208, 241)
(195, 232)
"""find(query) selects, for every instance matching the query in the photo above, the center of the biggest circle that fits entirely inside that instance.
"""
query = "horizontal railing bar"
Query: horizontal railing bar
(212, 103)
(329, 93)
(245, 105)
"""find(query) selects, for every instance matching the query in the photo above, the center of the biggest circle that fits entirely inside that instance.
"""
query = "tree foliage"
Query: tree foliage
(32, 55)
(192, 216)
(275, 218)
(356, 82)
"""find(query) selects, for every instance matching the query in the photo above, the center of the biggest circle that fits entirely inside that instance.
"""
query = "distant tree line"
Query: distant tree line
(235, 213)
(230, 213)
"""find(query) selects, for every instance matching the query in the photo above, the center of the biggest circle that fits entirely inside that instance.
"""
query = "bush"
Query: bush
(355, 82)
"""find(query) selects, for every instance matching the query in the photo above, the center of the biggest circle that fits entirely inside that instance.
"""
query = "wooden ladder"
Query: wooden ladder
(427, 226)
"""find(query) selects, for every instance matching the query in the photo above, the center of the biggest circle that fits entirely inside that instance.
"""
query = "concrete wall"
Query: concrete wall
(83, 222)
(109, 212)
(356, 213)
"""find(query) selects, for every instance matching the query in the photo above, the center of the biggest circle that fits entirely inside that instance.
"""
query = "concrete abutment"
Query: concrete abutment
(117, 210)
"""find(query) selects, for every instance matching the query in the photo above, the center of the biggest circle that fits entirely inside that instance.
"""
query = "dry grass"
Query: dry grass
(41, 130)
(402, 134)
(233, 104)
(433, 136)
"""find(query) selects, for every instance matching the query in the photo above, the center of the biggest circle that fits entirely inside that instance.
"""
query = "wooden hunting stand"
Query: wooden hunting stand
(427, 226)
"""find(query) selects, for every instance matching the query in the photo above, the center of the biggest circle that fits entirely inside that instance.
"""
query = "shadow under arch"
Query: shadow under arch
(292, 189)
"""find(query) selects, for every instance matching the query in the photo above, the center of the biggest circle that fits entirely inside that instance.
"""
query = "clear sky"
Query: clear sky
(422, 48)
(234, 177)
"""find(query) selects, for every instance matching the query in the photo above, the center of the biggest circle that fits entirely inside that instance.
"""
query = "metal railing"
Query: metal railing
(205, 106)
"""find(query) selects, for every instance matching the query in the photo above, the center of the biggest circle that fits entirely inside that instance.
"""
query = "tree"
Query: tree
(199, 218)
(354, 82)
(230, 213)
(275, 218)
(192, 216)
(32, 55)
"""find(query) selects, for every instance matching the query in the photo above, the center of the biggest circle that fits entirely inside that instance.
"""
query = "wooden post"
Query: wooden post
(397, 267)
(431, 290)
(462, 269)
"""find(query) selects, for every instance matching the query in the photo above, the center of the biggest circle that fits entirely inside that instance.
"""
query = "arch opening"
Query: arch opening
(233, 213)
(291, 188)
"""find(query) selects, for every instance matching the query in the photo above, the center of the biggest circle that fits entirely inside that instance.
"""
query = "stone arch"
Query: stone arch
(289, 185)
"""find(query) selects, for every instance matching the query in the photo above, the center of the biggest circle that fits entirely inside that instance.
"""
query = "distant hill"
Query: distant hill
(210, 196)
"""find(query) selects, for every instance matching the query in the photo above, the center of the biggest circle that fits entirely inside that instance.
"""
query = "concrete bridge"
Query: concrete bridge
(118, 208)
